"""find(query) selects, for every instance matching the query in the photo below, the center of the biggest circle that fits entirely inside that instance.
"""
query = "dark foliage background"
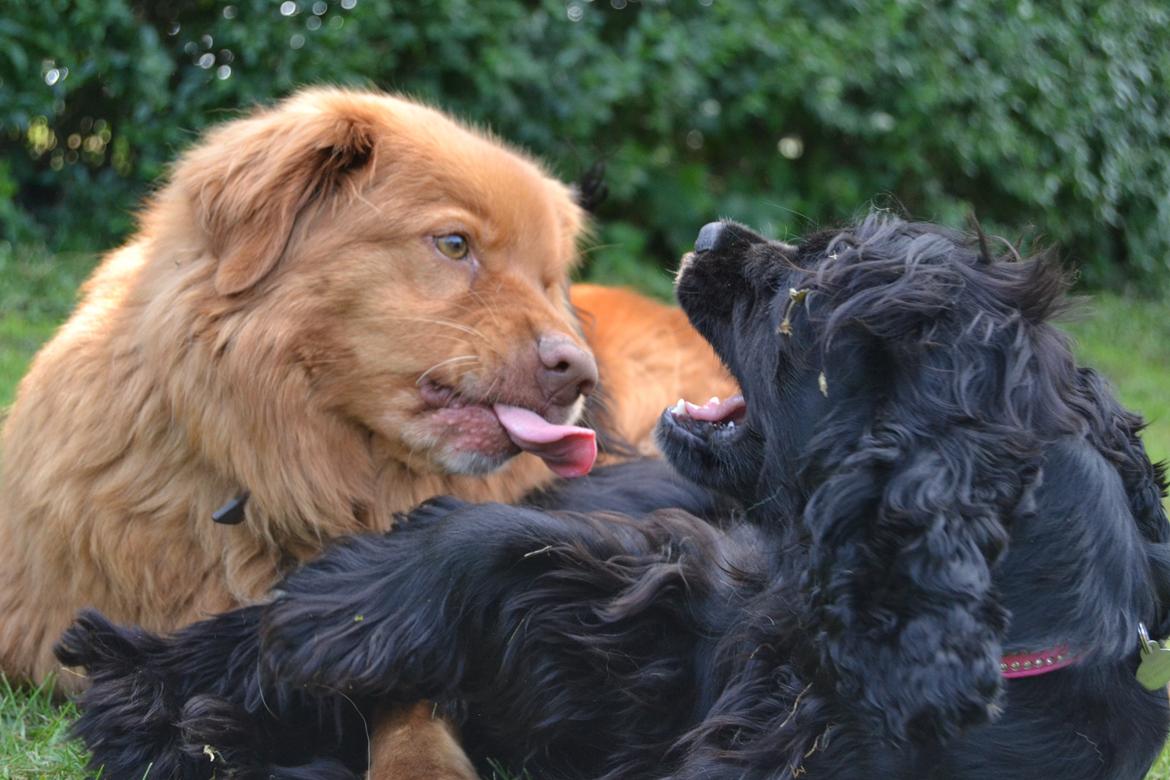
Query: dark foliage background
(1048, 116)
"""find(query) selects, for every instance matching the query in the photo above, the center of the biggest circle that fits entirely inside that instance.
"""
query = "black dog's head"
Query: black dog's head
(822, 335)
(749, 298)
(899, 386)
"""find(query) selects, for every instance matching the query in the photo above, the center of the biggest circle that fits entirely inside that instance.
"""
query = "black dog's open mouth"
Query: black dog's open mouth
(715, 422)
(713, 444)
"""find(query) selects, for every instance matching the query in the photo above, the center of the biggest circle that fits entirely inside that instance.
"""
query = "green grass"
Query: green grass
(37, 291)
(1128, 339)
(34, 737)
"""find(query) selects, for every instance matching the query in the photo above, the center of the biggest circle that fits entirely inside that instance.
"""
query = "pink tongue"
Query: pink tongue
(566, 449)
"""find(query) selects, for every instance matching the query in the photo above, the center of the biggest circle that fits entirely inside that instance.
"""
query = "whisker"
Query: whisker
(490, 309)
(459, 326)
(448, 361)
(438, 321)
(491, 388)
(586, 251)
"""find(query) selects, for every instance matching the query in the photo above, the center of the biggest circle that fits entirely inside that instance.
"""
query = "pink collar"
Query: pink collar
(1031, 664)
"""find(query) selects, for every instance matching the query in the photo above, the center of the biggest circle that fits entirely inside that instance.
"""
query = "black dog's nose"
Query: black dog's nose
(708, 235)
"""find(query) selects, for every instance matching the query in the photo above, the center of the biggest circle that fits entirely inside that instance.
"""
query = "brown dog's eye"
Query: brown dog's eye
(453, 245)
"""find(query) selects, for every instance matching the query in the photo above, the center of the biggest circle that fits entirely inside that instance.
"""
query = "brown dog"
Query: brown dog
(344, 305)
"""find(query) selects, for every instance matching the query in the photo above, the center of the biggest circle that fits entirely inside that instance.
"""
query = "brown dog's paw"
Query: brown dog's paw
(416, 744)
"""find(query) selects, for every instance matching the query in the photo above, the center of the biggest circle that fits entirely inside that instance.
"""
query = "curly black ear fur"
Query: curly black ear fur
(1115, 433)
(918, 499)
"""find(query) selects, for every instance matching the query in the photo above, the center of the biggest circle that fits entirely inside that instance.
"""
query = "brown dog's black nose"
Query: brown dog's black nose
(566, 371)
(708, 235)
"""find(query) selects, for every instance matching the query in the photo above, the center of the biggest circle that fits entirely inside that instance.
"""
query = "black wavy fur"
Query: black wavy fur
(930, 481)
(200, 704)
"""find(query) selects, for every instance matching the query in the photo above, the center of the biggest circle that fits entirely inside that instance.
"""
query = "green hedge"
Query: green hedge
(1044, 115)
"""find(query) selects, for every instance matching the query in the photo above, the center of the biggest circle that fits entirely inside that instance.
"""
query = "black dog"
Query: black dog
(934, 490)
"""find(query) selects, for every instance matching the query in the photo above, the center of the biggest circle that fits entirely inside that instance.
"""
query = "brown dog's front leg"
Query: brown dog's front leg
(413, 743)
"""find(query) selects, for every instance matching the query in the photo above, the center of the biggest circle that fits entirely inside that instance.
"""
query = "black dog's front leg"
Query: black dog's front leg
(193, 706)
(371, 616)
(212, 698)
(555, 633)
(518, 613)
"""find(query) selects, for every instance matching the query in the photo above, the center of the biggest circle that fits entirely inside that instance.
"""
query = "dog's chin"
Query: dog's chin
(468, 440)
(469, 463)
(724, 453)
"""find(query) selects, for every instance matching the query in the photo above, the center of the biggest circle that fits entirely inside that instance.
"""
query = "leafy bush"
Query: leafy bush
(781, 114)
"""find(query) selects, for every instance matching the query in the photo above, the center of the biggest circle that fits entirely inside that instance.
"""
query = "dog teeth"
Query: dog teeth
(714, 401)
(679, 409)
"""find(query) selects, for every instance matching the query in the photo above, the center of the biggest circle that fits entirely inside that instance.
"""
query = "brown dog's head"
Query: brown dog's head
(411, 272)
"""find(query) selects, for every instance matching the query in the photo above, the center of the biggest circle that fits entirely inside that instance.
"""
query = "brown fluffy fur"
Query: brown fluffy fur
(266, 329)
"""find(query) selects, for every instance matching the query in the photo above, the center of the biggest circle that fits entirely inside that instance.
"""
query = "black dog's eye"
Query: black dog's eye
(453, 245)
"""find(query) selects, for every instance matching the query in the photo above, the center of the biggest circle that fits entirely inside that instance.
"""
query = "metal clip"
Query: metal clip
(1153, 673)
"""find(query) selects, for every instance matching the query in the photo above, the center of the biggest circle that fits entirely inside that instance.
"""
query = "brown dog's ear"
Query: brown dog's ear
(252, 178)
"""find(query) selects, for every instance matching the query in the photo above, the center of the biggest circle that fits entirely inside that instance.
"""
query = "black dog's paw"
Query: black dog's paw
(127, 713)
(102, 648)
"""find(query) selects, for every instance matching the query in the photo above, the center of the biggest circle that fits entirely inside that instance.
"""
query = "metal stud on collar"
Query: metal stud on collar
(1029, 665)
